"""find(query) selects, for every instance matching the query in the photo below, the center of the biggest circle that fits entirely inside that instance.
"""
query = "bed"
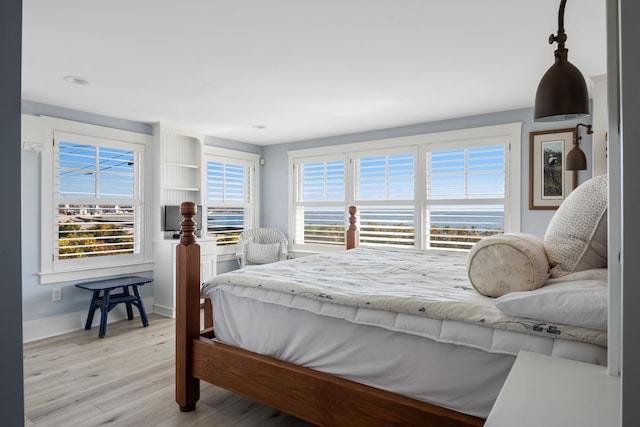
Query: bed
(424, 348)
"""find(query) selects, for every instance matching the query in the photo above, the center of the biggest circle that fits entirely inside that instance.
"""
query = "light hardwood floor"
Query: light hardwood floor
(125, 379)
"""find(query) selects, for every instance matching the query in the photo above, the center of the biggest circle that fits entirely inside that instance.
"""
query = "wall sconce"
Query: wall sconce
(576, 159)
(562, 92)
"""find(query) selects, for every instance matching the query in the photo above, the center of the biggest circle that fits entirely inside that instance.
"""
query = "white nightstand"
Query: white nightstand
(548, 391)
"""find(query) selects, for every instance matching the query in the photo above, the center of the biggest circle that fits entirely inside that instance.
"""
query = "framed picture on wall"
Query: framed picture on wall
(549, 182)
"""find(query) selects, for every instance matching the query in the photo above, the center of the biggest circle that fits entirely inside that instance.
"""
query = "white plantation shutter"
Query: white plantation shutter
(384, 193)
(319, 201)
(444, 190)
(465, 197)
(97, 195)
(229, 199)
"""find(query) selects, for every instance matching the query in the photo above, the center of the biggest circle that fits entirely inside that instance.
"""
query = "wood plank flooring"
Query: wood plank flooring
(125, 379)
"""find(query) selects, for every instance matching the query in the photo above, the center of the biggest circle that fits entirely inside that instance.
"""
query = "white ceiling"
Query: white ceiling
(299, 68)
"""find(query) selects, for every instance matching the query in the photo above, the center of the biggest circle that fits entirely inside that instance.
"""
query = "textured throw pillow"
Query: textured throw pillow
(576, 238)
(576, 303)
(262, 253)
(504, 263)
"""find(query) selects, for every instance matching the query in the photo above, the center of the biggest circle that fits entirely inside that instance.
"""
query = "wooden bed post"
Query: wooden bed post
(187, 309)
(352, 239)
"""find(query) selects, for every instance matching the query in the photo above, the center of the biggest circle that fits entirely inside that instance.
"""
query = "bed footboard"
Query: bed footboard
(319, 398)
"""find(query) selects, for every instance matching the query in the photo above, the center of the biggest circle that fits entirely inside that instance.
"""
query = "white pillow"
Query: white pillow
(576, 238)
(262, 253)
(505, 263)
(576, 303)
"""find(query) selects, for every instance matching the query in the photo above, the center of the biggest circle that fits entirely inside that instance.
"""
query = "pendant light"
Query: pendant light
(562, 92)
(576, 159)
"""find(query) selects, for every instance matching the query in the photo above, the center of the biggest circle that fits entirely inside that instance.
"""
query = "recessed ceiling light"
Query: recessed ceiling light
(76, 80)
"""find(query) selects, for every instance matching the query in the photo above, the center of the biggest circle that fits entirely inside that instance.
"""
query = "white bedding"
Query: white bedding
(437, 339)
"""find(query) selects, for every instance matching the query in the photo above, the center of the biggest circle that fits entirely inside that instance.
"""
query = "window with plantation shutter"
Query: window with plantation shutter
(319, 202)
(384, 194)
(434, 191)
(465, 195)
(97, 198)
(229, 198)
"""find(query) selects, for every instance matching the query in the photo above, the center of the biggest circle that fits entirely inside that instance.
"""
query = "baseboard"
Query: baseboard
(38, 329)
(164, 311)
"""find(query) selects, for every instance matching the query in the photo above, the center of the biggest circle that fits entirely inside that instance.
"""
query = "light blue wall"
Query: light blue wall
(275, 171)
(38, 109)
(232, 145)
(36, 298)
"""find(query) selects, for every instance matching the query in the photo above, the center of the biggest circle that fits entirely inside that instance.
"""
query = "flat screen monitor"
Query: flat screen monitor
(173, 218)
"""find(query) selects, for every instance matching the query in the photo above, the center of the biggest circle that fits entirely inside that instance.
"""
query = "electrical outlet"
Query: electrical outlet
(56, 294)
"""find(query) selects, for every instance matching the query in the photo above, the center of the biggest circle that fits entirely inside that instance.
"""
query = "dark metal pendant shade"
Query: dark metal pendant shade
(576, 159)
(562, 93)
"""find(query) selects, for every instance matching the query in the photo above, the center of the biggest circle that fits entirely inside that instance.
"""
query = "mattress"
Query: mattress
(448, 345)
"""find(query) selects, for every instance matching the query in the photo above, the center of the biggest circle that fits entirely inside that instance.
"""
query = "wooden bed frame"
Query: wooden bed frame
(314, 396)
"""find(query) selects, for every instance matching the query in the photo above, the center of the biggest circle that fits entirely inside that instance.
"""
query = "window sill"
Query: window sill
(95, 272)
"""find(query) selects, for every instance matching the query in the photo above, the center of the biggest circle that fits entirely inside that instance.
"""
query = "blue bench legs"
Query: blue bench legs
(107, 301)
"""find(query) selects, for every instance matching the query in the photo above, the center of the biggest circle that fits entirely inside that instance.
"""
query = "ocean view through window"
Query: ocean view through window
(409, 192)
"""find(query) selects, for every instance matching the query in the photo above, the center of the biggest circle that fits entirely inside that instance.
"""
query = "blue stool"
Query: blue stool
(107, 300)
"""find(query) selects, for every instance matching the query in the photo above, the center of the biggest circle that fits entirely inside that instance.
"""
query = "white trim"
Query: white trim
(41, 130)
(164, 311)
(38, 329)
(82, 274)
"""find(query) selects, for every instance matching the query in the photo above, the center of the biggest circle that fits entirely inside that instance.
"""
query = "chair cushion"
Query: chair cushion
(576, 238)
(504, 263)
(257, 253)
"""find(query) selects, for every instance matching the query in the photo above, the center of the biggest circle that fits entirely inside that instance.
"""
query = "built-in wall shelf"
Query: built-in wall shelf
(179, 159)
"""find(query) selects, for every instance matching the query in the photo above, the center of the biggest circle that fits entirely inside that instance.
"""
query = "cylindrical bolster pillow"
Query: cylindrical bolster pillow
(506, 263)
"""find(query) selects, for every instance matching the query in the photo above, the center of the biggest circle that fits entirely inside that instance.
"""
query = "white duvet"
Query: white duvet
(428, 284)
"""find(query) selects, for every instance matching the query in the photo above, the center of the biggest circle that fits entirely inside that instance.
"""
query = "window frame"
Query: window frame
(52, 270)
(363, 203)
(252, 160)
(297, 204)
(461, 145)
(100, 177)
(509, 135)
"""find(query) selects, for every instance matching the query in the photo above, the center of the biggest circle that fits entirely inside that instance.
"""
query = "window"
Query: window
(443, 191)
(96, 219)
(93, 217)
(384, 194)
(465, 195)
(98, 199)
(319, 202)
(231, 194)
